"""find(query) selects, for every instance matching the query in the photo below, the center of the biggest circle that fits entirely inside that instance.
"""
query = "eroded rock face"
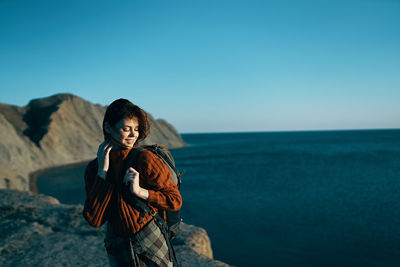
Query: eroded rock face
(57, 130)
(193, 247)
(36, 230)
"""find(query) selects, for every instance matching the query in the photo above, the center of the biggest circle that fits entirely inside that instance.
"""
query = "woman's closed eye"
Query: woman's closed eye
(128, 129)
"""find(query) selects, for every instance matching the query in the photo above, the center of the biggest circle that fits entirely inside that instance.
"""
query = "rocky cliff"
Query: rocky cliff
(36, 230)
(57, 130)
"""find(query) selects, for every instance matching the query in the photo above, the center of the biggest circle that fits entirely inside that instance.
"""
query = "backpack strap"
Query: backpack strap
(169, 160)
(132, 157)
(145, 209)
(140, 203)
(137, 202)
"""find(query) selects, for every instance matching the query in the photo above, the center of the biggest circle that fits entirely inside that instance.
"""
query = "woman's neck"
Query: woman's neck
(119, 147)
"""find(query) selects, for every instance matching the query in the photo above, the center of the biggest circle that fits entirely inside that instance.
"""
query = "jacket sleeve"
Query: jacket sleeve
(154, 175)
(98, 195)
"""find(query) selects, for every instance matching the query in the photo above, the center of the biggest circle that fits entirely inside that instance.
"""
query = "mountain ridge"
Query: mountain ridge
(58, 130)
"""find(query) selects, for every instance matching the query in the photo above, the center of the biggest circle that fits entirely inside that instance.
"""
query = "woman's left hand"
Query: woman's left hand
(131, 178)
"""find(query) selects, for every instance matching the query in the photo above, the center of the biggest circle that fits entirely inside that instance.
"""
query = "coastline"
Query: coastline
(33, 176)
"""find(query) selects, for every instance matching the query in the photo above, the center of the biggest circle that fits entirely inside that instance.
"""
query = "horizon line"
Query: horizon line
(304, 130)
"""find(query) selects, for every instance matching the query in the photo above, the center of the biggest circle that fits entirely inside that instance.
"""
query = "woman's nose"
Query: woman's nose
(131, 134)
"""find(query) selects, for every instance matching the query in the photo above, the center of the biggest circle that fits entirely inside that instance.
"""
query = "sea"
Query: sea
(306, 198)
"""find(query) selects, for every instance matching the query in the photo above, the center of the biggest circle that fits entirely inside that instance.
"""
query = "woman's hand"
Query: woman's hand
(131, 178)
(103, 158)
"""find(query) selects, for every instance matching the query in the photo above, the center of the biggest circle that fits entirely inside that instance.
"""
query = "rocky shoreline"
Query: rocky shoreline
(36, 230)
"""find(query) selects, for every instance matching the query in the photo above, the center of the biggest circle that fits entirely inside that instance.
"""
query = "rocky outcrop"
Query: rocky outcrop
(37, 230)
(57, 130)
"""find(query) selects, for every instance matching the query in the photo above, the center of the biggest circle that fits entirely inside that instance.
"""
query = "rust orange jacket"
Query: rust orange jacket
(104, 201)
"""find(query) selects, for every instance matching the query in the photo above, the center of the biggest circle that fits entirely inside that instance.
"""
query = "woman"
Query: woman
(110, 186)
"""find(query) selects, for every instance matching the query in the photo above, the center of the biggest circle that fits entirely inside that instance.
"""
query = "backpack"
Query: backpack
(173, 218)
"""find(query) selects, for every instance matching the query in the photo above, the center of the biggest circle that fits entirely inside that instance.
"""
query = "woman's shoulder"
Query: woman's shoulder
(148, 159)
(146, 155)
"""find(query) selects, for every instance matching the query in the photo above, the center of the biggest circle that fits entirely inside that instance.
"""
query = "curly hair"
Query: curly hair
(123, 108)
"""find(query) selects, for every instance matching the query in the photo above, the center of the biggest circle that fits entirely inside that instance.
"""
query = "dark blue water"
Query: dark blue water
(294, 198)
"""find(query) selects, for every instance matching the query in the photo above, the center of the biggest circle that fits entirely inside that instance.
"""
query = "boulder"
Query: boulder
(37, 230)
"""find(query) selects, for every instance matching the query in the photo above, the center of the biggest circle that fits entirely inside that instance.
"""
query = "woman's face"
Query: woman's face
(125, 132)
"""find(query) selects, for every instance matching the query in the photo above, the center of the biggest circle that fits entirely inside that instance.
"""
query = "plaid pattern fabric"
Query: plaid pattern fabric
(151, 242)
(129, 251)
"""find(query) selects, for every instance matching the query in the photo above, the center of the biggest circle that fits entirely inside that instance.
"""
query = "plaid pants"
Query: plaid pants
(148, 247)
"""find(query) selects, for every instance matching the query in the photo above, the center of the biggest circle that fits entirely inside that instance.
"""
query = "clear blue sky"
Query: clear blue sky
(212, 66)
